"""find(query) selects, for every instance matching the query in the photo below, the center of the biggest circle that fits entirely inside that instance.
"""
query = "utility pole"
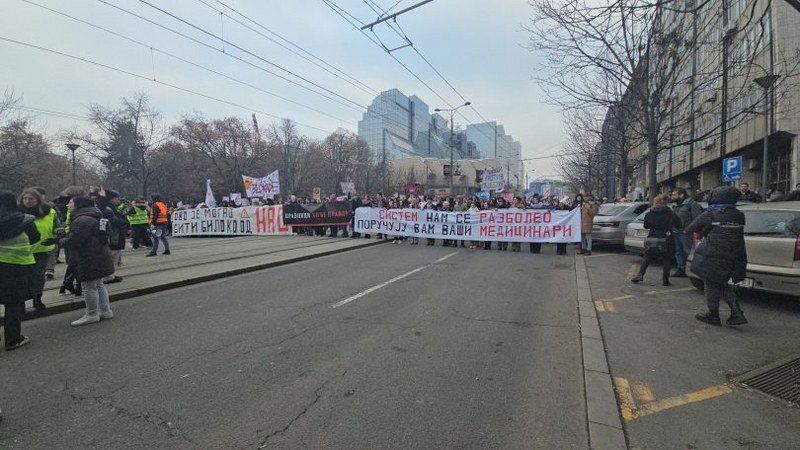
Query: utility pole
(72, 148)
(452, 112)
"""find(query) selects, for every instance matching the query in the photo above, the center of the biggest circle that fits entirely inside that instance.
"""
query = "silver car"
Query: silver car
(772, 239)
(635, 234)
(613, 218)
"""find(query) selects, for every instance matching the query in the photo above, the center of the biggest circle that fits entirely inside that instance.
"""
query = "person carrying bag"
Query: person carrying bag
(660, 241)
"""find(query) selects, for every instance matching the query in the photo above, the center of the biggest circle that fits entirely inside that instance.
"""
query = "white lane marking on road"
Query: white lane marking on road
(386, 283)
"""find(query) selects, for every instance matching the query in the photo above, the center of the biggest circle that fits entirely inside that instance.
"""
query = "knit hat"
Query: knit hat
(724, 195)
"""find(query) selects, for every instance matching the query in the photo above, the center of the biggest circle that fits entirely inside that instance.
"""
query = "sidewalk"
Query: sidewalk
(197, 260)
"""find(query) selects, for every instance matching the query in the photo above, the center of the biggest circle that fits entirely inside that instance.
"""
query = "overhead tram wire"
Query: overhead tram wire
(165, 53)
(357, 107)
(402, 34)
(370, 90)
(251, 64)
(225, 41)
(328, 67)
(339, 10)
(49, 112)
(163, 83)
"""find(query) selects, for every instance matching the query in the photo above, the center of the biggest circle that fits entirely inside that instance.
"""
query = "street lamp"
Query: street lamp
(452, 166)
(72, 148)
(766, 83)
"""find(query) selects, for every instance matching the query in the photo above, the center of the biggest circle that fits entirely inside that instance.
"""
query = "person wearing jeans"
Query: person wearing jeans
(687, 210)
(159, 222)
(95, 296)
(89, 249)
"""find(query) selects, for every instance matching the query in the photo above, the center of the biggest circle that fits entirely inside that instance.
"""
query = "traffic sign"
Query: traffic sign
(732, 168)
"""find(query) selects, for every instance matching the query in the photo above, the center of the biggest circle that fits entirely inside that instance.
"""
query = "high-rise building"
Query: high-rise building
(400, 126)
(397, 126)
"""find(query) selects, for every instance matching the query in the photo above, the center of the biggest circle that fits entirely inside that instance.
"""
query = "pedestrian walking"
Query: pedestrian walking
(88, 245)
(686, 209)
(721, 256)
(31, 202)
(660, 241)
(17, 267)
(159, 224)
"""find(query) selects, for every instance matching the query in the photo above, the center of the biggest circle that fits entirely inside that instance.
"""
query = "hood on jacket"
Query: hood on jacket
(724, 195)
(91, 212)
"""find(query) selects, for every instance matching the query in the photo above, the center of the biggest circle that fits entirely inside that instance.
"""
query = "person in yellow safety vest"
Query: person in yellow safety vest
(159, 223)
(17, 267)
(46, 222)
(139, 218)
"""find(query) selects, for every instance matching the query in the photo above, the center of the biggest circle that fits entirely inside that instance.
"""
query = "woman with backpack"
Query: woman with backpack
(87, 242)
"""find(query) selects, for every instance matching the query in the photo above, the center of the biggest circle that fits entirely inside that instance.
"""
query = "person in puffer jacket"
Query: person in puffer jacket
(721, 255)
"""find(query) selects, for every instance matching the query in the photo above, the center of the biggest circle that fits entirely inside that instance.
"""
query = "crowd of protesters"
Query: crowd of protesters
(91, 228)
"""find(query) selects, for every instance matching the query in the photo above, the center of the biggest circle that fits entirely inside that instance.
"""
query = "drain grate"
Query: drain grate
(781, 380)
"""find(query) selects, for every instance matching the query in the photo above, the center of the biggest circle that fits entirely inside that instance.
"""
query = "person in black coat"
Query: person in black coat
(660, 221)
(16, 276)
(88, 244)
(721, 256)
(108, 202)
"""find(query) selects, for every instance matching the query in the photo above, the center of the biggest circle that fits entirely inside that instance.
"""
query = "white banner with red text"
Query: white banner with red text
(245, 221)
(508, 225)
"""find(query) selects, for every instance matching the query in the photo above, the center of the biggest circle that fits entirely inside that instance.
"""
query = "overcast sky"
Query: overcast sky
(477, 45)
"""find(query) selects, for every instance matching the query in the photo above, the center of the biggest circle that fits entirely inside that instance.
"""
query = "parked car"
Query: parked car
(635, 234)
(613, 218)
(772, 239)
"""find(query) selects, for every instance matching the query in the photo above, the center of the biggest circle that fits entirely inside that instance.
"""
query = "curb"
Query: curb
(133, 293)
(602, 413)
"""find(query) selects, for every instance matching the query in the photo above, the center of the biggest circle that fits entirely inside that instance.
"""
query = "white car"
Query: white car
(772, 239)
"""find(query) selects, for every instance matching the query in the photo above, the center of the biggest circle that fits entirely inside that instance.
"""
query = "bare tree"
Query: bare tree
(285, 138)
(633, 56)
(123, 139)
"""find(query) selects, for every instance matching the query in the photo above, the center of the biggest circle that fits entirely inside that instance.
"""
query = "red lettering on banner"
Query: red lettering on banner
(269, 219)
(261, 221)
(568, 231)
(546, 232)
(556, 229)
(536, 232)
(548, 217)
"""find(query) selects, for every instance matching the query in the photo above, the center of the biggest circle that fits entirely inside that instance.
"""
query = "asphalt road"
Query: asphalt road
(680, 376)
(426, 347)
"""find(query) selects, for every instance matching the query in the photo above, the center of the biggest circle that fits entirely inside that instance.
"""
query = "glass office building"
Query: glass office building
(400, 126)
(397, 126)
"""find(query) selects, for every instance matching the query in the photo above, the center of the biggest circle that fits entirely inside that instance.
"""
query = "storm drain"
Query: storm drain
(781, 380)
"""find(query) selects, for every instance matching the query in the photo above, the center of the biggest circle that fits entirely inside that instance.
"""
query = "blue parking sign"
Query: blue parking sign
(732, 168)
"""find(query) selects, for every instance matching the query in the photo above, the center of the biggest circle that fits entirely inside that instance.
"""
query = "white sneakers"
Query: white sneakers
(87, 319)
